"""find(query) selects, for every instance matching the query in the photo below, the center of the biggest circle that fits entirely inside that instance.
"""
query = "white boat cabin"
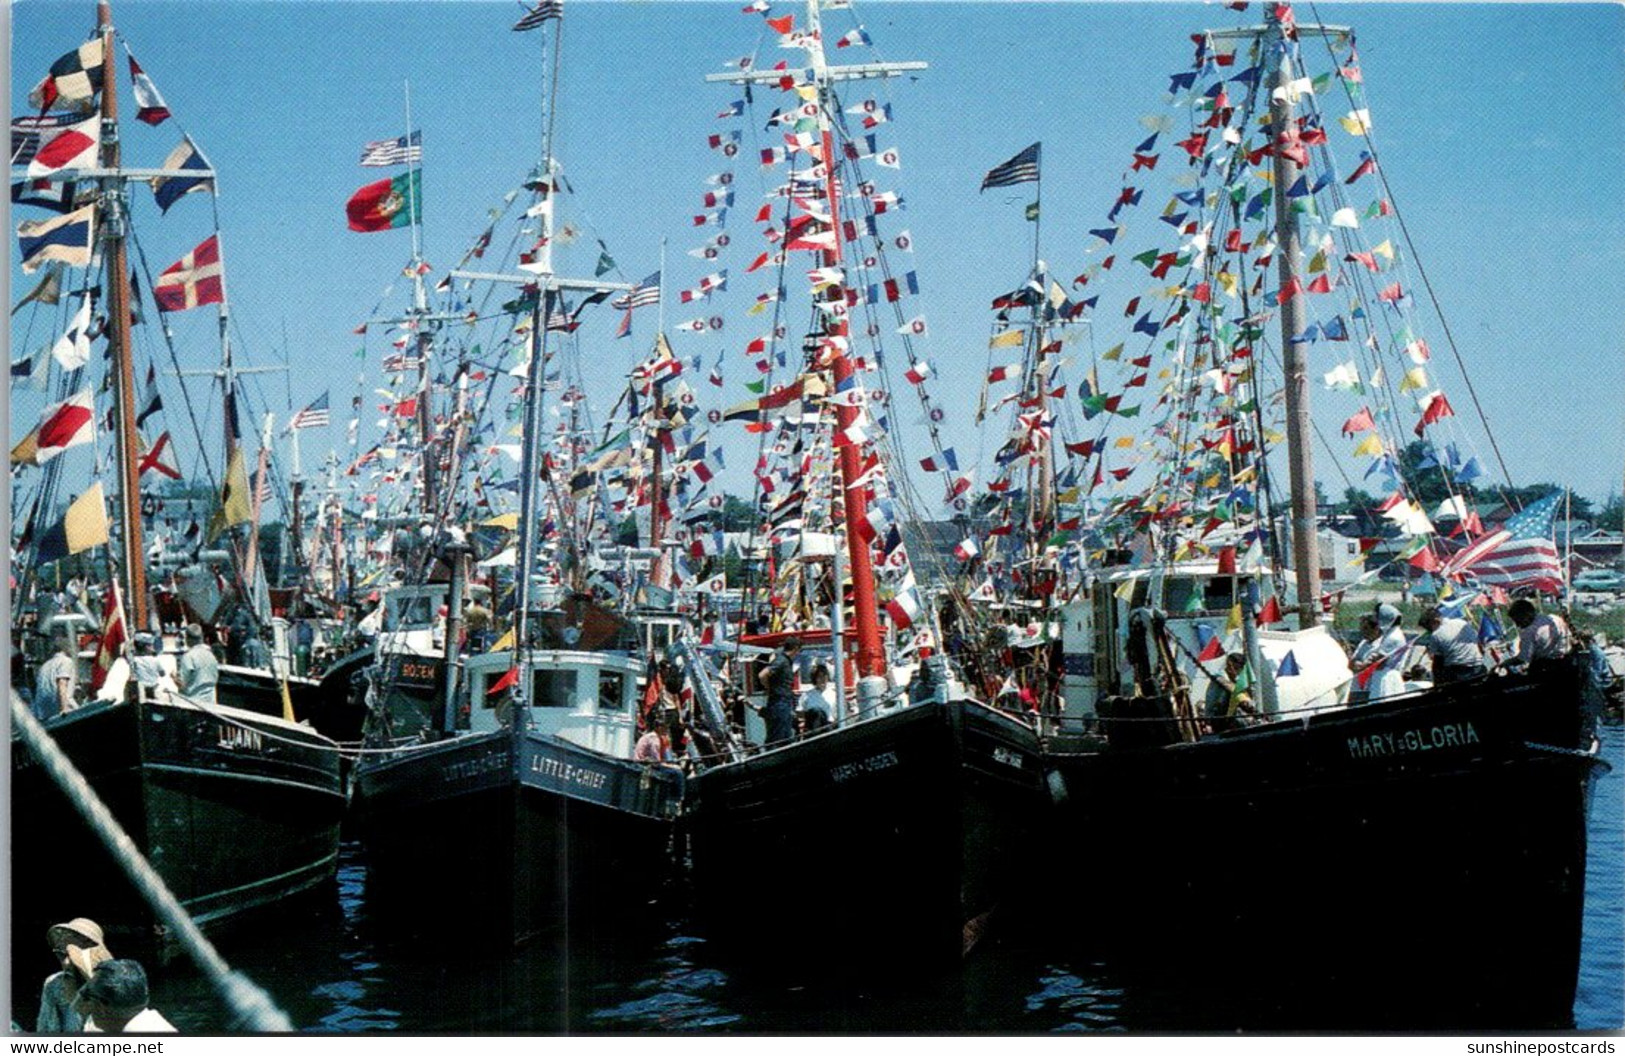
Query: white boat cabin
(587, 699)
(1095, 633)
(411, 620)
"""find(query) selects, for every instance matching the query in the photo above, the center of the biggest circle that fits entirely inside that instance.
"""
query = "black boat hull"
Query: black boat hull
(1417, 863)
(889, 841)
(235, 813)
(532, 833)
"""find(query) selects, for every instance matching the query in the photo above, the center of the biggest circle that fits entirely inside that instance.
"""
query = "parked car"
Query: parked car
(1600, 579)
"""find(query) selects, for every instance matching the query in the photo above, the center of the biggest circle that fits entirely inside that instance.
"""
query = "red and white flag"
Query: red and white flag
(195, 280)
(64, 425)
(152, 108)
(75, 147)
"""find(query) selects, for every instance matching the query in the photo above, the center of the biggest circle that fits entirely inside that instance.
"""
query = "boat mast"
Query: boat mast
(421, 323)
(1271, 38)
(115, 218)
(549, 285)
(871, 661)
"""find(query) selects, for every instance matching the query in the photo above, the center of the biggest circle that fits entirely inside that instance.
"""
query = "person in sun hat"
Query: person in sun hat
(1393, 648)
(79, 948)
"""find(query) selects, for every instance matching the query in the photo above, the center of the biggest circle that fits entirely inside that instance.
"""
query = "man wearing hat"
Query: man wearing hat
(79, 949)
(115, 1001)
(198, 670)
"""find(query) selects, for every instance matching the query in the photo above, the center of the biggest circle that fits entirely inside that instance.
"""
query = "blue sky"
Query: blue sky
(1501, 129)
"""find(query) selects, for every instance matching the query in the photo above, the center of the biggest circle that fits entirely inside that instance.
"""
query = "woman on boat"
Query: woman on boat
(1392, 647)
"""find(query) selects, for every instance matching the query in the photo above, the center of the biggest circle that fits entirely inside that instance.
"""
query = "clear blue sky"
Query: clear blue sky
(1502, 129)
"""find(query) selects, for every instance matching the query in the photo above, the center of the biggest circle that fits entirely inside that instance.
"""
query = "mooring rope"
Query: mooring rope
(253, 1007)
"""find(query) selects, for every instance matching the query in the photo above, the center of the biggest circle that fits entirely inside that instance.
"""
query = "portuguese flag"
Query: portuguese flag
(382, 205)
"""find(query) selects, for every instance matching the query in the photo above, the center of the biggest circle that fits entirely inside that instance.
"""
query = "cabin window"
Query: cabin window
(611, 691)
(553, 688)
(1219, 593)
(1177, 595)
(407, 613)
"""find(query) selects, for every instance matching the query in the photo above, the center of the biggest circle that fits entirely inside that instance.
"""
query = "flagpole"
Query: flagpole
(412, 177)
(660, 305)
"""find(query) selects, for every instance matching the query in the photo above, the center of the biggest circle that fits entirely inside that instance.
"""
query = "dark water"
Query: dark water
(336, 967)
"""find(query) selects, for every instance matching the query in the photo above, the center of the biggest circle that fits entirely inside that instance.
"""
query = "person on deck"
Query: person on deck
(56, 682)
(114, 1001)
(779, 677)
(1222, 703)
(1392, 648)
(1543, 638)
(1452, 644)
(79, 948)
(818, 703)
(198, 670)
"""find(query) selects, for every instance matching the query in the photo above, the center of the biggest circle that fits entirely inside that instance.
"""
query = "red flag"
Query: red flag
(783, 25)
(112, 637)
(1438, 407)
(506, 681)
(1270, 613)
(1227, 561)
(1359, 423)
(195, 280)
(1211, 651)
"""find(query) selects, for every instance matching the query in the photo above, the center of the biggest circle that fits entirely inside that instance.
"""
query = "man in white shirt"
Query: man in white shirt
(115, 1001)
(56, 681)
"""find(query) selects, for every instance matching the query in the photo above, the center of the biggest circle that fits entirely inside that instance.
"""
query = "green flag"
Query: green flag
(606, 264)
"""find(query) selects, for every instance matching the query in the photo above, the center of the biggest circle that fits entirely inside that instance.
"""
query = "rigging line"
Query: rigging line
(1427, 283)
(174, 359)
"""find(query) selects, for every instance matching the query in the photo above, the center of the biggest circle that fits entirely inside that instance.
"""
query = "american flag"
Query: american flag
(402, 150)
(545, 10)
(1023, 168)
(645, 292)
(314, 416)
(400, 362)
(1520, 554)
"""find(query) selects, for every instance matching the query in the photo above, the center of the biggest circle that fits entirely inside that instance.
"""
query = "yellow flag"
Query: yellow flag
(85, 525)
(1233, 624)
(1370, 445)
(27, 450)
(1125, 590)
(1114, 353)
(1008, 339)
(1384, 249)
(234, 496)
(1357, 123)
(1317, 263)
(504, 643)
(509, 521)
(1227, 282)
(1415, 378)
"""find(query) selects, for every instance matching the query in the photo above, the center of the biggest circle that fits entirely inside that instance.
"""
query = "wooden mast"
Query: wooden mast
(115, 217)
(1294, 359)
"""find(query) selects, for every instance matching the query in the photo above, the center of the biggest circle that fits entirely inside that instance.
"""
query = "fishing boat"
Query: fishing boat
(521, 791)
(237, 810)
(1320, 853)
(906, 823)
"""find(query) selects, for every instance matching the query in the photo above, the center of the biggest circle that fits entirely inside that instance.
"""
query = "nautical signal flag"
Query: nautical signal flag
(82, 527)
(152, 108)
(72, 349)
(64, 425)
(385, 205)
(73, 82)
(1023, 168)
(66, 238)
(167, 190)
(73, 147)
(195, 280)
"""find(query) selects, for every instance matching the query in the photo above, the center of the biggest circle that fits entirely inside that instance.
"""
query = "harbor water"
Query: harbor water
(337, 966)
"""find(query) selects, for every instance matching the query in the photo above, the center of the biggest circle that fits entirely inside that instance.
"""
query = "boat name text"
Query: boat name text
(1008, 757)
(1425, 739)
(847, 771)
(239, 737)
(568, 772)
(473, 767)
